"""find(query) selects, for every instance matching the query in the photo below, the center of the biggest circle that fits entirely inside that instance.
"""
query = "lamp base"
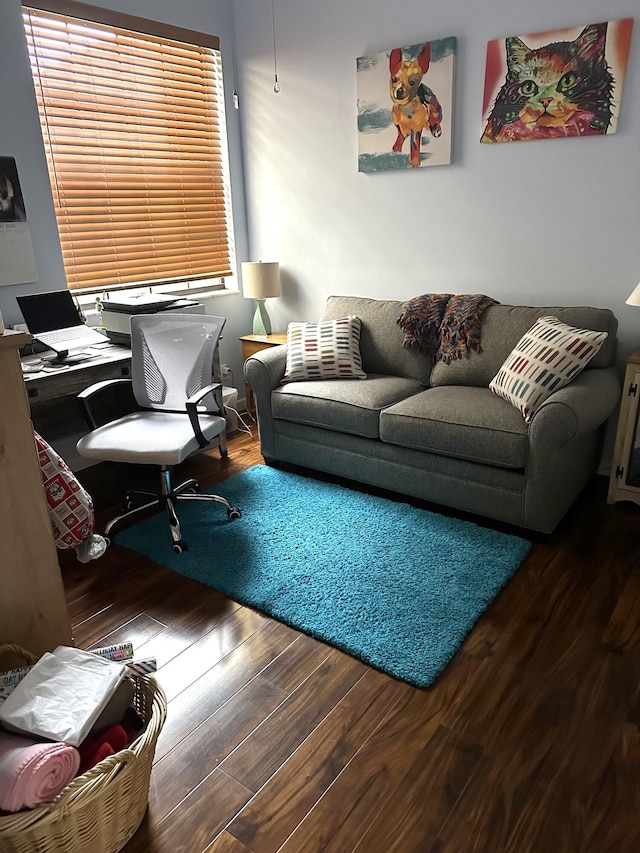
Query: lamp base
(261, 319)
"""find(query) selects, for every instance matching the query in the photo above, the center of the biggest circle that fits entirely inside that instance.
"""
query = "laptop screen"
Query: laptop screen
(46, 312)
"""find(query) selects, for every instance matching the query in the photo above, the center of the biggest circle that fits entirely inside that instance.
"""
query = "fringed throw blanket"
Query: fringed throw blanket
(444, 325)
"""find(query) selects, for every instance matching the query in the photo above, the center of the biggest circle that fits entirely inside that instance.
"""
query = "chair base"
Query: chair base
(168, 497)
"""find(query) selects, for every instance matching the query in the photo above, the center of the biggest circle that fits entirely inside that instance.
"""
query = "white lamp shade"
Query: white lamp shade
(261, 280)
(634, 296)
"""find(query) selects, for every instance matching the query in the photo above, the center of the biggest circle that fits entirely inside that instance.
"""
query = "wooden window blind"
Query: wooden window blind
(134, 131)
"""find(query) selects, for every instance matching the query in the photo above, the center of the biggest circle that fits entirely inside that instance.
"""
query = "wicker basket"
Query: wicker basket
(99, 811)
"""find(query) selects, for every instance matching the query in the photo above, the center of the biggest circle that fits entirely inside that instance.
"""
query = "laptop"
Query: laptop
(53, 319)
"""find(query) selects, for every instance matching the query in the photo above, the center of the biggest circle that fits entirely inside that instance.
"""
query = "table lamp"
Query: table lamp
(261, 281)
(634, 296)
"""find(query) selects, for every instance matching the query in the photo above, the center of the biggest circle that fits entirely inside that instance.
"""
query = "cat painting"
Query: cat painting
(556, 88)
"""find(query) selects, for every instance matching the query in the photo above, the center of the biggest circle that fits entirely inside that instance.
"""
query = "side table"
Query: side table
(251, 344)
(624, 484)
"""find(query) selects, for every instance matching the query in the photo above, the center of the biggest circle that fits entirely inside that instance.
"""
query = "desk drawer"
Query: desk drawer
(70, 381)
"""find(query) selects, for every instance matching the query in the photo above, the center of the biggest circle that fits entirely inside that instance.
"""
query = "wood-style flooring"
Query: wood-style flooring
(529, 740)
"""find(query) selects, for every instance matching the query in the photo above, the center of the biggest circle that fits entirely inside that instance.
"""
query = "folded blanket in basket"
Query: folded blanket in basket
(95, 749)
(33, 772)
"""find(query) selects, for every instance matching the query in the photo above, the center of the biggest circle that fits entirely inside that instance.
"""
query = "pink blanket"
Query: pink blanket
(32, 772)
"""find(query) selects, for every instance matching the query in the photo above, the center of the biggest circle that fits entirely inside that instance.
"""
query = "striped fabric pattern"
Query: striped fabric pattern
(546, 358)
(327, 350)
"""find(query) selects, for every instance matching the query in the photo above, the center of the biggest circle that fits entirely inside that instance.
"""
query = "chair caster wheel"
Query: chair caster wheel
(234, 512)
(180, 547)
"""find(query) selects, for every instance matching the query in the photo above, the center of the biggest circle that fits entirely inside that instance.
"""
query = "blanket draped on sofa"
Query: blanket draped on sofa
(444, 325)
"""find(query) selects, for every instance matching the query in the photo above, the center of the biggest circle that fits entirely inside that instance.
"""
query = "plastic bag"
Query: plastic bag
(62, 695)
(70, 506)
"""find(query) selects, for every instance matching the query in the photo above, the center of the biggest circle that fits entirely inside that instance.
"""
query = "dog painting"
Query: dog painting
(405, 106)
(415, 107)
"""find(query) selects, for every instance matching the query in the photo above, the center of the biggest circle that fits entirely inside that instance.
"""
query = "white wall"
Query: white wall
(550, 222)
(20, 137)
(553, 222)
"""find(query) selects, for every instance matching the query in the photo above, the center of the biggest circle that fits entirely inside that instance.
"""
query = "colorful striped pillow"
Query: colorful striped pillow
(327, 350)
(546, 358)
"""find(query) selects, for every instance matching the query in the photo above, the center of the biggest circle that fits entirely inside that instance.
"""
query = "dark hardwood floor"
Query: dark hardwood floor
(528, 741)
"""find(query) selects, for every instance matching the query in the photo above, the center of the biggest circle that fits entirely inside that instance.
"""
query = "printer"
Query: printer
(117, 312)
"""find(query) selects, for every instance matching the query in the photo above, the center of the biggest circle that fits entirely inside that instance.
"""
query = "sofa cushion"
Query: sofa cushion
(545, 359)
(329, 350)
(502, 328)
(381, 337)
(467, 423)
(344, 405)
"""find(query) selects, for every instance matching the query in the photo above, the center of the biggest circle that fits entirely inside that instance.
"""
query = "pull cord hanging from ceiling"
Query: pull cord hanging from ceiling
(276, 85)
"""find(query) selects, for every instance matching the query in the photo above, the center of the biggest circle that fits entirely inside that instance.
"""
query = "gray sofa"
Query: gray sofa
(436, 432)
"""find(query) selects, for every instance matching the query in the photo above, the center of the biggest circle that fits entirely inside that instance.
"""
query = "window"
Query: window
(134, 131)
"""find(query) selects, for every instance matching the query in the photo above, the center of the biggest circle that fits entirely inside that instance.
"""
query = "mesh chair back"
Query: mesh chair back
(173, 358)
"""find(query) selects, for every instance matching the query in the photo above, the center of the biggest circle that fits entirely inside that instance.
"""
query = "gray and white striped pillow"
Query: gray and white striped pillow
(326, 350)
(546, 358)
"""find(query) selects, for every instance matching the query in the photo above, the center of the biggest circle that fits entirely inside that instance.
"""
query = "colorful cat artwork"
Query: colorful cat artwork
(561, 88)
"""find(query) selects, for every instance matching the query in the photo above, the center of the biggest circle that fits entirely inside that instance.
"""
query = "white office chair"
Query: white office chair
(180, 410)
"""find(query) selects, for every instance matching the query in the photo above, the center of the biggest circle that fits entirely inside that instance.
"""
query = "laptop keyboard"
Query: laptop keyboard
(66, 335)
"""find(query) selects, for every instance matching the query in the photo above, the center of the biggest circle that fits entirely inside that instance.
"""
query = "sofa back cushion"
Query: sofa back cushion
(381, 337)
(502, 328)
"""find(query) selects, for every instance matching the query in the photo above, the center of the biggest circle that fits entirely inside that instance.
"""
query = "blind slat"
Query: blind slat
(86, 223)
(161, 242)
(134, 134)
(90, 275)
(198, 252)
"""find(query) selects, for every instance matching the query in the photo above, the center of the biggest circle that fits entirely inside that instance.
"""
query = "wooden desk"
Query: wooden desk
(33, 610)
(110, 362)
(52, 394)
(251, 344)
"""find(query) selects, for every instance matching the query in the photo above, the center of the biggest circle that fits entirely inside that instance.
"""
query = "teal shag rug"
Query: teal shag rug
(396, 586)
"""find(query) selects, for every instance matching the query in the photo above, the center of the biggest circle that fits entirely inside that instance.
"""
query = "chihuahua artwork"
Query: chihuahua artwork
(405, 106)
(559, 84)
(415, 107)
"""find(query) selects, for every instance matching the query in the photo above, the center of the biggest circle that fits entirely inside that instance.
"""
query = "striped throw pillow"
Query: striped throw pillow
(546, 358)
(327, 350)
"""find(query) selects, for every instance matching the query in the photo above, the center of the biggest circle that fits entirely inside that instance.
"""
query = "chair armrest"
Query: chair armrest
(578, 408)
(192, 409)
(93, 392)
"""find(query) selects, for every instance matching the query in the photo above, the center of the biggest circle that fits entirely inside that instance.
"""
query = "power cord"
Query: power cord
(245, 427)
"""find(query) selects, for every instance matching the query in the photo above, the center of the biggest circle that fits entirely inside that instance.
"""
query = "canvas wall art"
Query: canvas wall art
(556, 84)
(405, 106)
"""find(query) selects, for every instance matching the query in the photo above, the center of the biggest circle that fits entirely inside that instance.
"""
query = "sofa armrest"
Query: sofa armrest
(578, 408)
(264, 370)
(565, 444)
